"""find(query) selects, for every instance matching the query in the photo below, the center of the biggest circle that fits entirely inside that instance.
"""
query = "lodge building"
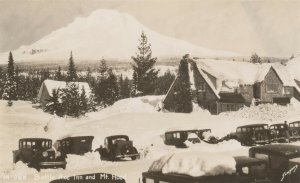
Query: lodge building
(221, 86)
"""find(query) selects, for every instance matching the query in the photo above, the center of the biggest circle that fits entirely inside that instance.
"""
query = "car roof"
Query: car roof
(117, 136)
(276, 124)
(245, 160)
(201, 130)
(294, 122)
(280, 149)
(35, 139)
(253, 125)
(78, 137)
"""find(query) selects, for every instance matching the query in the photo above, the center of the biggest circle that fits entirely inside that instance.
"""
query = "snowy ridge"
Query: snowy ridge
(108, 34)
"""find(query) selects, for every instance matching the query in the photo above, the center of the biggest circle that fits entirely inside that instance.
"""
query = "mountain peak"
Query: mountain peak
(105, 33)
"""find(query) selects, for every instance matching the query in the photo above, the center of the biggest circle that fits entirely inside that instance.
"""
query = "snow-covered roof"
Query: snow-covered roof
(293, 67)
(235, 73)
(195, 164)
(54, 85)
(208, 81)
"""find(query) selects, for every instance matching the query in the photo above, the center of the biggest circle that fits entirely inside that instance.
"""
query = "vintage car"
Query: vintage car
(179, 137)
(283, 161)
(75, 145)
(38, 153)
(252, 134)
(248, 170)
(295, 130)
(279, 133)
(117, 147)
(91, 178)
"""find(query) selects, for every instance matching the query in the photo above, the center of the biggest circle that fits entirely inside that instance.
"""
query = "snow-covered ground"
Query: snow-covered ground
(136, 117)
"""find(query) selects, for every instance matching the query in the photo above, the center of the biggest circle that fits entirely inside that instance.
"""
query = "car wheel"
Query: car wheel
(133, 158)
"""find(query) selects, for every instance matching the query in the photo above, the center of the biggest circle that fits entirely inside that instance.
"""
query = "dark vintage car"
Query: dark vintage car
(280, 133)
(179, 137)
(91, 178)
(117, 147)
(38, 153)
(252, 134)
(283, 161)
(75, 145)
(295, 130)
(248, 170)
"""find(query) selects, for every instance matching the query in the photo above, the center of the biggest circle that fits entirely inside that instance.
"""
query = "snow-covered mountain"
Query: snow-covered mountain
(105, 34)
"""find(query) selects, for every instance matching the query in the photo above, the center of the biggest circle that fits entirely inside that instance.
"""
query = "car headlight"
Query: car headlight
(58, 154)
(45, 154)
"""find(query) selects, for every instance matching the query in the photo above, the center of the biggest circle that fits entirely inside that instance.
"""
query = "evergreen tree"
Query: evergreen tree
(58, 74)
(112, 90)
(164, 83)
(53, 105)
(11, 66)
(71, 100)
(144, 73)
(83, 102)
(292, 57)
(10, 85)
(92, 105)
(255, 59)
(124, 87)
(88, 77)
(72, 74)
(2, 80)
(45, 74)
(182, 91)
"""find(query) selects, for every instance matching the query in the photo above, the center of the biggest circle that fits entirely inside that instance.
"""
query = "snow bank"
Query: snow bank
(195, 164)
(269, 113)
(90, 159)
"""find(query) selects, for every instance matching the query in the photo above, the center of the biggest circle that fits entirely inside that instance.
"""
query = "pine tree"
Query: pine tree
(58, 74)
(92, 105)
(164, 83)
(11, 66)
(72, 74)
(53, 105)
(10, 85)
(144, 73)
(112, 90)
(182, 91)
(124, 87)
(71, 100)
(83, 102)
(255, 59)
(2, 80)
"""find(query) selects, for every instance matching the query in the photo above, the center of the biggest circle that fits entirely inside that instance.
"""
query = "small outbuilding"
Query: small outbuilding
(48, 86)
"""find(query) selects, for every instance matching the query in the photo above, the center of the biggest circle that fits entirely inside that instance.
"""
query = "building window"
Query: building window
(201, 87)
(272, 88)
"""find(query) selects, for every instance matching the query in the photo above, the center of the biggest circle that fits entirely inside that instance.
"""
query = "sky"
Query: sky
(267, 27)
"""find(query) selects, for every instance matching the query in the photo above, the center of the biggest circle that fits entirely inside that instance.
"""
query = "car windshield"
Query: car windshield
(118, 139)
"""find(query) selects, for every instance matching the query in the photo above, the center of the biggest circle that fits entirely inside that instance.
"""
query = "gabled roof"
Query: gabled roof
(210, 84)
(51, 85)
